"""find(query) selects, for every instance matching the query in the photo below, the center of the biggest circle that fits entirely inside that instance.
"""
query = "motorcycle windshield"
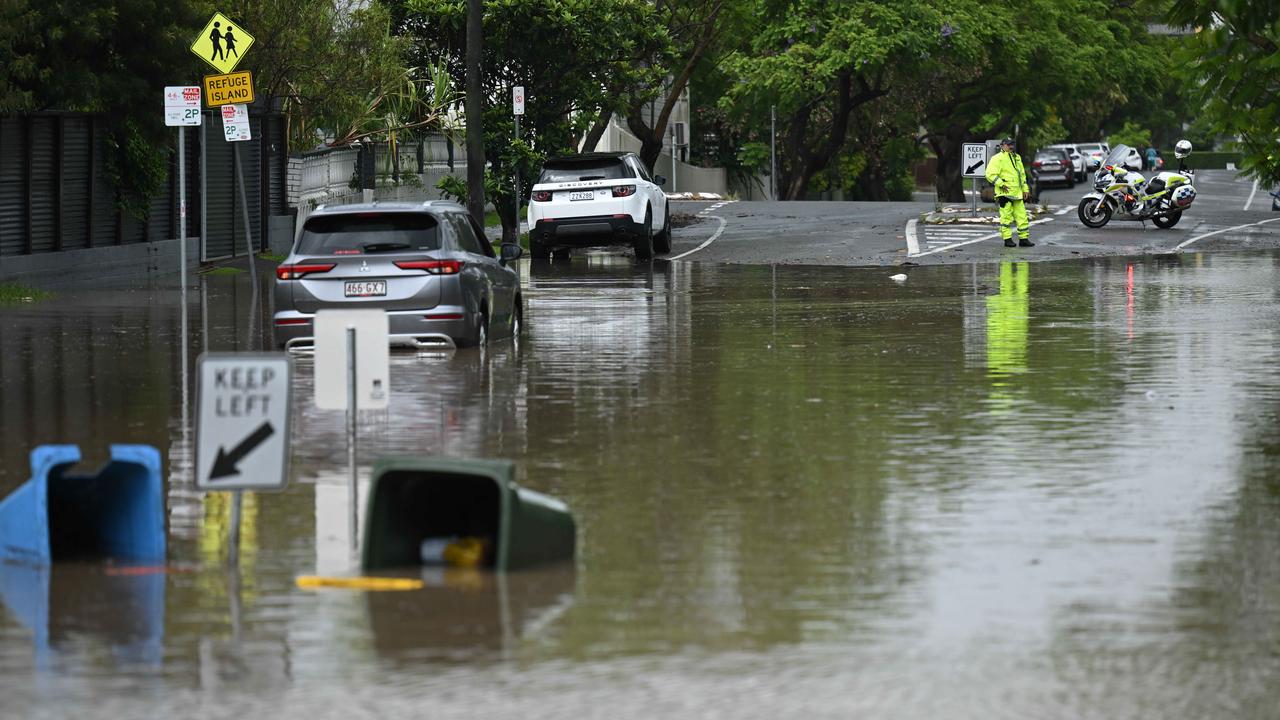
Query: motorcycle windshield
(1118, 155)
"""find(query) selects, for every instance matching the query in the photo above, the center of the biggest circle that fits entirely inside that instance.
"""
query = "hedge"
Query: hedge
(1202, 160)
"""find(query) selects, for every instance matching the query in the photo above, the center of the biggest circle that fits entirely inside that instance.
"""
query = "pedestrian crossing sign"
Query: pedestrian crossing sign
(222, 43)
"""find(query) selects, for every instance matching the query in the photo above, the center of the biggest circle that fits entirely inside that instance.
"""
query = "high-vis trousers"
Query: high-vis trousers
(1013, 210)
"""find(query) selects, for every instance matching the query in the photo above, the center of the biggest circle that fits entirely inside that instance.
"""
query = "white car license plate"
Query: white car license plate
(366, 288)
(583, 195)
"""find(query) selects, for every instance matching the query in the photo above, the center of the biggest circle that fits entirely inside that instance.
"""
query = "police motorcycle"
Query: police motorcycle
(1124, 194)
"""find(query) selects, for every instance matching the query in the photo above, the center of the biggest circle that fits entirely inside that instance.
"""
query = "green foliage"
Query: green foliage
(339, 73)
(1131, 135)
(106, 56)
(567, 54)
(1234, 59)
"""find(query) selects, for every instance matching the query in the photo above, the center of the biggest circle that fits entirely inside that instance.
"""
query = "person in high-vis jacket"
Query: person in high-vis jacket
(1006, 173)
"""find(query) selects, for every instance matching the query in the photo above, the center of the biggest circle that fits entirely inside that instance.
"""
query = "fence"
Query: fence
(57, 194)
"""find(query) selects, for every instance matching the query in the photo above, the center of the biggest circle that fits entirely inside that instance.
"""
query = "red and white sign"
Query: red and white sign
(517, 99)
(235, 123)
(182, 105)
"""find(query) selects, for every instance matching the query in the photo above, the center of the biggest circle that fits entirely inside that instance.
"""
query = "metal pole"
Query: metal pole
(975, 198)
(248, 237)
(673, 157)
(352, 493)
(773, 152)
(517, 174)
(182, 219)
(233, 552)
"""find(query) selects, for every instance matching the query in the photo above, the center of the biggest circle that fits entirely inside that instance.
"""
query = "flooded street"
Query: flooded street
(1017, 490)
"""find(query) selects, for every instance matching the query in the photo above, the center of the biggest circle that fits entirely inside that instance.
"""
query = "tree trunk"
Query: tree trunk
(812, 157)
(597, 131)
(475, 111)
(949, 181)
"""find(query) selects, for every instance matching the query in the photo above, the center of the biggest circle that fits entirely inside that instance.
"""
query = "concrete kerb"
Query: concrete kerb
(961, 215)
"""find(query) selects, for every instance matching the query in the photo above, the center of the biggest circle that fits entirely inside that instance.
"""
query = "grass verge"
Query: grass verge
(12, 293)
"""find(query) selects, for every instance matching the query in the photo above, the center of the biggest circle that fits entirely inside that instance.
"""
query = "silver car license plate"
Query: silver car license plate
(365, 288)
(583, 195)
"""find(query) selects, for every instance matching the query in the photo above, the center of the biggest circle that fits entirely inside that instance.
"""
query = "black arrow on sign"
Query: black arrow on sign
(974, 166)
(225, 464)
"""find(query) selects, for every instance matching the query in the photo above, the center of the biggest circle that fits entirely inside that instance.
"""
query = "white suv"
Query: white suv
(598, 199)
(1077, 159)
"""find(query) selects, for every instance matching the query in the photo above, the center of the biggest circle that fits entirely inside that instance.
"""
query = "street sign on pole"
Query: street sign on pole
(222, 43)
(974, 163)
(235, 123)
(233, 88)
(372, 385)
(517, 99)
(242, 431)
(181, 105)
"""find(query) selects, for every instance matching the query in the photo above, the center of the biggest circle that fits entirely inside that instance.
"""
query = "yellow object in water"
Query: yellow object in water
(314, 582)
(467, 552)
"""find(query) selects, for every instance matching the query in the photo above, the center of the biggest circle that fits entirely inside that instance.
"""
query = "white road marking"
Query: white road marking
(1064, 210)
(1185, 243)
(710, 240)
(1251, 194)
(913, 245)
(980, 238)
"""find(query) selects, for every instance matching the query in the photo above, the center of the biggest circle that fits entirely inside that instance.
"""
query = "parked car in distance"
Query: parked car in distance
(427, 264)
(596, 199)
(1077, 158)
(1091, 152)
(1053, 165)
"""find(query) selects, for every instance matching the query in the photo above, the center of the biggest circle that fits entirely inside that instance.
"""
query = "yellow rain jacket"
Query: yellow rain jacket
(1006, 173)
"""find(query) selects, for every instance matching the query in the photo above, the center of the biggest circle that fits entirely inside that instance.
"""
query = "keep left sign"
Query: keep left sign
(242, 421)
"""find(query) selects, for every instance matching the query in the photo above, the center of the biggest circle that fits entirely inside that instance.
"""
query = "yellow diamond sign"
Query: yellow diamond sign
(222, 43)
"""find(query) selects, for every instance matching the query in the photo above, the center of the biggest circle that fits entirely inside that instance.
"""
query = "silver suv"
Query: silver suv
(428, 265)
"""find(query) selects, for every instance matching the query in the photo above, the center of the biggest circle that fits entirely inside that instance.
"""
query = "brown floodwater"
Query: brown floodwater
(1017, 490)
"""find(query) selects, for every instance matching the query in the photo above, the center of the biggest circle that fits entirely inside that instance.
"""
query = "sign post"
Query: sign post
(974, 165)
(242, 426)
(182, 108)
(517, 103)
(352, 373)
(223, 43)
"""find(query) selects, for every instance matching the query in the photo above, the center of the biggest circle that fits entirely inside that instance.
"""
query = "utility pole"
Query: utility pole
(773, 152)
(475, 111)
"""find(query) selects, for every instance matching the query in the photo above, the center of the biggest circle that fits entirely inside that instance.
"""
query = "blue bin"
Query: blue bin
(117, 513)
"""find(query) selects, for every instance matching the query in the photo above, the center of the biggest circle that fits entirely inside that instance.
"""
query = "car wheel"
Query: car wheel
(517, 319)
(643, 244)
(1164, 222)
(538, 251)
(480, 335)
(1071, 181)
(662, 239)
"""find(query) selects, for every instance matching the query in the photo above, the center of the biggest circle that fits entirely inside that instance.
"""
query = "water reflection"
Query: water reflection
(795, 487)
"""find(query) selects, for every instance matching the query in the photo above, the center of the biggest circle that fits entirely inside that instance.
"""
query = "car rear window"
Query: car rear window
(1046, 156)
(361, 233)
(558, 171)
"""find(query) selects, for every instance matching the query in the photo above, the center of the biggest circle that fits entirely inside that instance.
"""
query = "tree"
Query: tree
(695, 29)
(475, 110)
(337, 71)
(1234, 56)
(564, 89)
(1022, 67)
(819, 63)
(100, 56)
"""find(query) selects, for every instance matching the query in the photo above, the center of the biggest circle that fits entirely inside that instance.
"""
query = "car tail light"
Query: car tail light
(293, 321)
(1036, 164)
(433, 267)
(298, 270)
(541, 196)
(445, 316)
(624, 190)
